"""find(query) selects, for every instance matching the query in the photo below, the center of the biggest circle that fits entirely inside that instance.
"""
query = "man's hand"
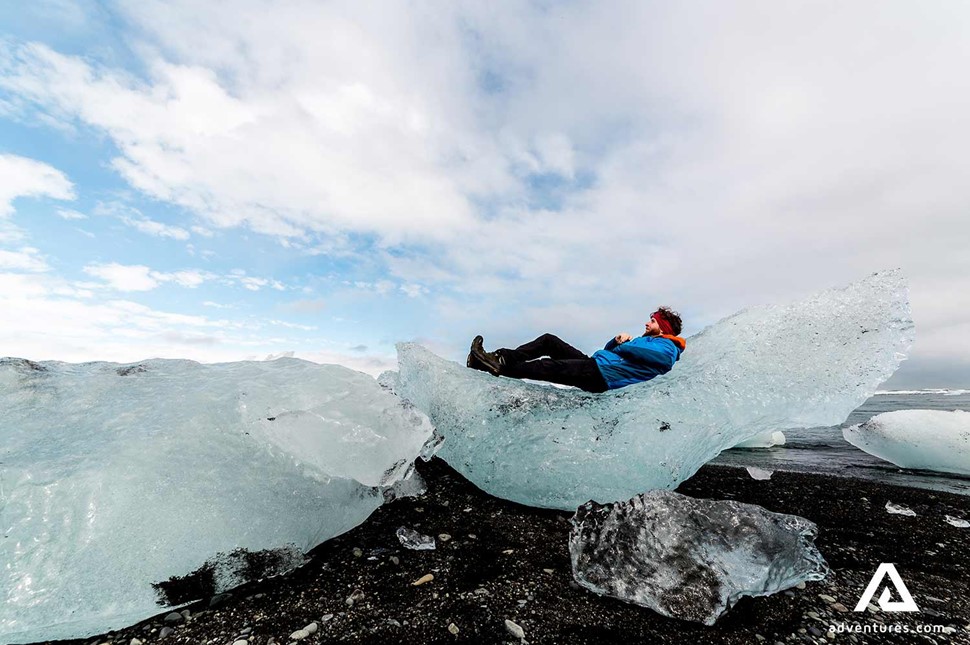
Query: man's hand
(622, 338)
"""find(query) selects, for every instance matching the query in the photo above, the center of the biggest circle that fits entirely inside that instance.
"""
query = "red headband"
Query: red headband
(665, 325)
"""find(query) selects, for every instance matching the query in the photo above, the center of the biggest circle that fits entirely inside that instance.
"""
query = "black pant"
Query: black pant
(566, 365)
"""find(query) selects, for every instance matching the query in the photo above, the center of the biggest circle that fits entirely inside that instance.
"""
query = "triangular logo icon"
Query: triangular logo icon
(905, 604)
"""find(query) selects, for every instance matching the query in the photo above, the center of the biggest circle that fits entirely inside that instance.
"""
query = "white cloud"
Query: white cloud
(9, 233)
(413, 290)
(47, 318)
(253, 284)
(586, 161)
(151, 227)
(190, 279)
(305, 306)
(124, 277)
(130, 216)
(283, 323)
(68, 214)
(138, 277)
(23, 177)
(26, 259)
(380, 287)
(326, 151)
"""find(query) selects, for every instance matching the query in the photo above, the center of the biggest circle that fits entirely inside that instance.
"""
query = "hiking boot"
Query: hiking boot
(479, 359)
(474, 363)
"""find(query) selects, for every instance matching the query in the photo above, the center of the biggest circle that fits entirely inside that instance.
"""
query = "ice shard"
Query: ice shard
(763, 440)
(117, 481)
(928, 439)
(763, 369)
(690, 558)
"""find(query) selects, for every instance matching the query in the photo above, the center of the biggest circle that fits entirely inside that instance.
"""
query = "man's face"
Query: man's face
(652, 328)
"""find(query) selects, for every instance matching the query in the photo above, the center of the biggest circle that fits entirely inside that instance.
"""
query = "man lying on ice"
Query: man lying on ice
(624, 361)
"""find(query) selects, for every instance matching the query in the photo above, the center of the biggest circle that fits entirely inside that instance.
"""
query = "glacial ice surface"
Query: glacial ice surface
(763, 369)
(114, 477)
(690, 558)
(928, 439)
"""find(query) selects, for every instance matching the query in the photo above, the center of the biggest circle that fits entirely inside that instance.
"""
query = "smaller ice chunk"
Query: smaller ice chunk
(414, 540)
(927, 439)
(957, 522)
(759, 473)
(899, 509)
(412, 485)
(764, 440)
(690, 558)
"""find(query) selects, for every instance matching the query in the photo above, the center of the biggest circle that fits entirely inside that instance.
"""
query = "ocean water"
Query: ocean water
(823, 450)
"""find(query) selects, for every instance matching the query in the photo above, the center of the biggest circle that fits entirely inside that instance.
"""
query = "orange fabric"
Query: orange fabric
(677, 340)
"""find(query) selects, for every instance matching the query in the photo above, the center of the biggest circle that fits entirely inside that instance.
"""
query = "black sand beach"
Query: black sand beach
(505, 562)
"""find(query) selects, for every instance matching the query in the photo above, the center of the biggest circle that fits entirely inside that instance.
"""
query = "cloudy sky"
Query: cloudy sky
(231, 180)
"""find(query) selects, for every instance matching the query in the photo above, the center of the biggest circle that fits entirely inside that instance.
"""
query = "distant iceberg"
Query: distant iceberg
(928, 439)
(114, 478)
(767, 368)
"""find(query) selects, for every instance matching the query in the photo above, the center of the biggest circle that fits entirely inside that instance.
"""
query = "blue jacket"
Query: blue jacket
(637, 360)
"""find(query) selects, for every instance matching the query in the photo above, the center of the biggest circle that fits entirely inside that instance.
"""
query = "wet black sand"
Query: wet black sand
(501, 554)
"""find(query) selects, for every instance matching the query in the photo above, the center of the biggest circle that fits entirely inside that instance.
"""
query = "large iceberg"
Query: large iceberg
(929, 439)
(115, 479)
(763, 369)
(690, 558)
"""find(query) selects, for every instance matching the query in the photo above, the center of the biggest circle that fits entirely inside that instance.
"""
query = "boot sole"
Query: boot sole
(478, 353)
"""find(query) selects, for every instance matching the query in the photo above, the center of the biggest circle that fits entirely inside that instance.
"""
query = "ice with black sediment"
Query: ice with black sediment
(936, 440)
(689, 558)
(764, 369)
(116, 480)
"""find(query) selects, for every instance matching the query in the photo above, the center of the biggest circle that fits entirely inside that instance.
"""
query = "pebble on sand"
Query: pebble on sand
(514, 629)
(428, 577)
